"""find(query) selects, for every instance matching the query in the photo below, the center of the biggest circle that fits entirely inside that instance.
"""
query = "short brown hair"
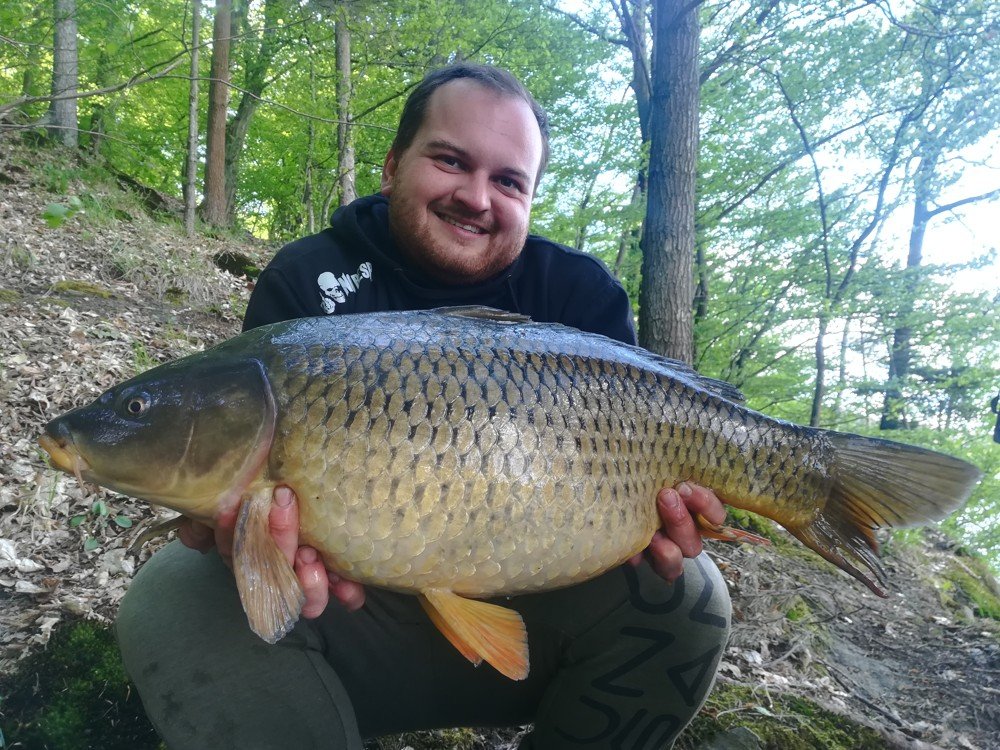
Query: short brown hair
(488, 76)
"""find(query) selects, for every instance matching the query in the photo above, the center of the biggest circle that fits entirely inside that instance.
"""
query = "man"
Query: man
(624, 660)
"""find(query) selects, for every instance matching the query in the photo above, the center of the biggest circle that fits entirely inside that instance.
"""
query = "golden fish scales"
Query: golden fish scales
(473, 453)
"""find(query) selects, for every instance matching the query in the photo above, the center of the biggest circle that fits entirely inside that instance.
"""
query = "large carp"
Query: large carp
(468, 452)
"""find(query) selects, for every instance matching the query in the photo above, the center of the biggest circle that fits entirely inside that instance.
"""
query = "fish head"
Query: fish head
(185, 435)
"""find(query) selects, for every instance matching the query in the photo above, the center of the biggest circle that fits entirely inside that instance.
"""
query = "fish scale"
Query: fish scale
(474, 453)
(479, 454)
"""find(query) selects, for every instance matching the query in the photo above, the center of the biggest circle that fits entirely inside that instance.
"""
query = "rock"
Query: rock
(739, 738)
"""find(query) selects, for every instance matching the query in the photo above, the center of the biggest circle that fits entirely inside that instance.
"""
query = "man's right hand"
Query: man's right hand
(318, 584)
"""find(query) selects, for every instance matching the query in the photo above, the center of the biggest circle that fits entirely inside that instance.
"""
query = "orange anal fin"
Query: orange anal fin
(711, 530)
(268, 586)
(480, 631)
(449, 632)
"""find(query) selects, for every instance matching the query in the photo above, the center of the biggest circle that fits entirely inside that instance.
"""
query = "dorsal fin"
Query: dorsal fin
(481, 312)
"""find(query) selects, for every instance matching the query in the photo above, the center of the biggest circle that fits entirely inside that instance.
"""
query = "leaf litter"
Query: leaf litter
(924, 674)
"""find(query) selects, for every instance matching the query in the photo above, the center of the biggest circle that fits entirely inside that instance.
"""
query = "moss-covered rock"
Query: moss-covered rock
(74, 695)
(83, 288)
(972, 583)
(781, 721)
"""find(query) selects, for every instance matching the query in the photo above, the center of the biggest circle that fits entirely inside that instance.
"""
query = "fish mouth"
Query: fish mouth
(64, 456)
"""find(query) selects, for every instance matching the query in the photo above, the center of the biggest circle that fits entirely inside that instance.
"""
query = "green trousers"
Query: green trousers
(623, 661)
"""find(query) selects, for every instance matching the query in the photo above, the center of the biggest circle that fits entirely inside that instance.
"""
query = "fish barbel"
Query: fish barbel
(466, 453)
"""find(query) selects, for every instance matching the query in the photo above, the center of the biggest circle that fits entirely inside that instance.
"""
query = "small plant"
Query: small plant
(57, 214)
(142, 360)
(98, 520)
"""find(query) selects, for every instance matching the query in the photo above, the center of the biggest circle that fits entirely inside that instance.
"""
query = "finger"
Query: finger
(312, 577)
(678, 524)
(225, 526)
(665, 557)
(283, 521)
(349, 593)
(702, 500)
(196, 535)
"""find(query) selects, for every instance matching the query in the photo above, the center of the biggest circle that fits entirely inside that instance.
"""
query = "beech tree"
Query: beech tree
(666, 293)
(62, 115)
(214, 206)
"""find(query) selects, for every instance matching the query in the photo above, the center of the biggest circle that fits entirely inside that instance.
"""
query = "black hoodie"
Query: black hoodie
(355, 266)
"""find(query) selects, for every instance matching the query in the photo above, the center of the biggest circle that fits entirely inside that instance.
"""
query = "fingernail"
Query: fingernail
(282, 497)
(684, 489)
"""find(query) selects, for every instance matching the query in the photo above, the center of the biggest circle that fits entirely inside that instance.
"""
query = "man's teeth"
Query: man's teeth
(466, 227)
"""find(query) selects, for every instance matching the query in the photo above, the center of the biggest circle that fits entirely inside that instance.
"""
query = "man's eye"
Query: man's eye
(450, 161)
(510, 184)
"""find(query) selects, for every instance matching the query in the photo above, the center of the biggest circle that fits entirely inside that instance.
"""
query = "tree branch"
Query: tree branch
(988, 196)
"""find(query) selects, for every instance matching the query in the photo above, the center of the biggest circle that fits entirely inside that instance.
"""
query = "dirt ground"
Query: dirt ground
(96, 300)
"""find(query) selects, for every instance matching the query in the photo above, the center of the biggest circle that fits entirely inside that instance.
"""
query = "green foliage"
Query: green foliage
(74, 695)
(97, 523)
(56, 214)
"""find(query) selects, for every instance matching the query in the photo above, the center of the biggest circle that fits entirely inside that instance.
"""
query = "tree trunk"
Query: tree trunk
(345, 138)
(61, 120)
(630, 234)
(99, 111)
(666, 293)
(894, 405)
(213, 208)
(819, 390)
(257, 65)
(191, 172)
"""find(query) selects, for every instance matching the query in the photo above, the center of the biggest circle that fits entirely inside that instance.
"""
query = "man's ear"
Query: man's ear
(388, 172)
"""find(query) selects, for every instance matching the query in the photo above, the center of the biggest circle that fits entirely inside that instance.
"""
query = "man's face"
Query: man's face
(460, 194)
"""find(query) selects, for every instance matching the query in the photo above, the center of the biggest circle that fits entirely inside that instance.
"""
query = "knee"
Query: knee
(167, 600)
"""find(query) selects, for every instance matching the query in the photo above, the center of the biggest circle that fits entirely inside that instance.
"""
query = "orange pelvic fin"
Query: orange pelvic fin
(711, 530)
(480, 631)
(269, 589)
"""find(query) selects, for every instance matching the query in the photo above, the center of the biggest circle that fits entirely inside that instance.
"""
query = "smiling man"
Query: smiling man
(622, 661)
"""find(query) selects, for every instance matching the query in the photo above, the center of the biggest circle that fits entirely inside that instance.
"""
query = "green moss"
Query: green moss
(782, 721)
(85, 288)
(744, 519)
(74, 695)
(971, 583)
(798, 610)
(176, 295)
(9, 296)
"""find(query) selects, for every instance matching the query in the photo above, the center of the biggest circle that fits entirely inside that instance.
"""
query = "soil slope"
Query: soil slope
(112, 291)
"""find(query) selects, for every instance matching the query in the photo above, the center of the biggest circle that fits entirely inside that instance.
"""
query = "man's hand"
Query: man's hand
(678, 536)
(317, 582)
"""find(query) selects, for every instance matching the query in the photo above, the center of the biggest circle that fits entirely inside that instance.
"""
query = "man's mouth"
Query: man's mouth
(461, 225)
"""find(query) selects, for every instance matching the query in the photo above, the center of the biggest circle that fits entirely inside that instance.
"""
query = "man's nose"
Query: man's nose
(474, 192)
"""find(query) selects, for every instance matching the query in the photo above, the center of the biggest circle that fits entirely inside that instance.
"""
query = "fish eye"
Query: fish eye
(137, 404)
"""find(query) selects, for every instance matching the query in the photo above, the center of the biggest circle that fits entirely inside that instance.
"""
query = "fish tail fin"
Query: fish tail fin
(480, 630)
(876, 484)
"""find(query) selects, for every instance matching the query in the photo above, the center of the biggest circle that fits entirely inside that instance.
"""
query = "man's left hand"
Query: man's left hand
(678, 536)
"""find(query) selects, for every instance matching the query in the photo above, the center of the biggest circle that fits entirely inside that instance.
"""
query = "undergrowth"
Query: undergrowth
(74, 695)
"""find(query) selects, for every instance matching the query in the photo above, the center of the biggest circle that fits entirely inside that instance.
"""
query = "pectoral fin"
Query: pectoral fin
(480, 630)
(269, 589)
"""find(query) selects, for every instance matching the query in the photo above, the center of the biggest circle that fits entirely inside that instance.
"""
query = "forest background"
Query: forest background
(839, 274)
